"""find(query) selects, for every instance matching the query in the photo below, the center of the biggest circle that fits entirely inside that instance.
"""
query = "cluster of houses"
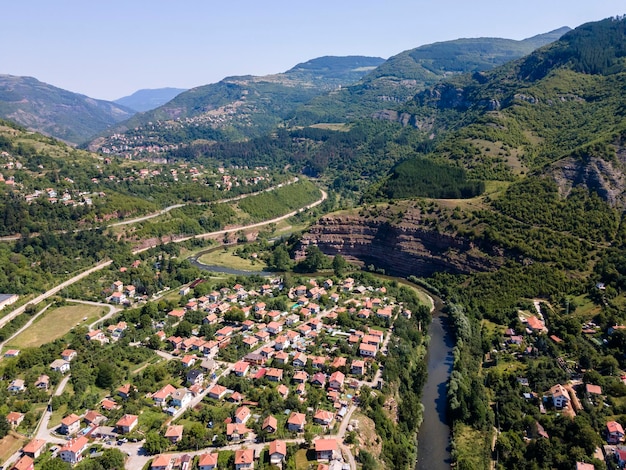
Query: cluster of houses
(327, 453)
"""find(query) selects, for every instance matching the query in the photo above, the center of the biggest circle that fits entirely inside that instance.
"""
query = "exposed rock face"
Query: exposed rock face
(605, 177)
(403, 249)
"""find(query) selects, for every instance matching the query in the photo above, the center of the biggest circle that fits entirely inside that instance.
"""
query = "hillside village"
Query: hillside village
(250, 374)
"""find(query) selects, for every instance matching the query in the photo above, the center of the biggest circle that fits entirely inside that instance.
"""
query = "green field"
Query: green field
(226, 257)
(55, 323)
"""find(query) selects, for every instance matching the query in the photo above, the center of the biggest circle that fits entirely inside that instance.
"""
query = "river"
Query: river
(433, 445)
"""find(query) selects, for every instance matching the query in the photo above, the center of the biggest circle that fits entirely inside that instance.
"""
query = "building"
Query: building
(15, 418)
(72, 452)
(60, 365)
(278, 452)
(174, 433)
(8, 299)
(325, 449)
(70, 425)
(161, 462)
(242, 414)
(208, 461)
(270, 425)
(296, 422)
(323, 417)
(336, 380)
(560, 396)
(614, 432)
(127, 423)
(16, 386)
(34, 448)
(24, 463)
(244, 459)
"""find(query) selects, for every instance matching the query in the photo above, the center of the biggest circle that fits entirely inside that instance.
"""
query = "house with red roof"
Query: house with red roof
(72, 451)
(174, 433)
(161, 462)
(208, 461)
(160, 397)
(323, 417)
(296, 422)
(244, 459)
(278, 452)
(336, 380)
(127, 423)
(236, 431)
(270, 424)
(325, 449)
(241, 368)
(14, 418)
(274, 375)
(34, 448)
(70, 425)
(242, 414)
(614, 432)
(24, 463)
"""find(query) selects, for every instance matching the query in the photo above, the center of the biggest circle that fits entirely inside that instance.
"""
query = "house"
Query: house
(127, 423)
(16, 386)
(24, 463)
(250, 341)
(300, 377)
(174, 433)
(593, 389)
(274, 375)
(161, 396)
(117, 286)
(262, 336)
(14, 418)
(367, 350)
(241, 368)
(323, 417)
(325, 449)
(357, 367)
(72, 452)
(60, 365)
(217, 392)
(278, 452)
(208, 461)
(236, 431)
(93, 418)
(34, 448)
(296, 422)
(96, 335)
(181, 397)
(161, 462)
(70, 425)
(108, 405)
(188, 361)
(299, 360)
(319, 379)
(560, 396)
(68, 355)
(283, 391)
(614, 432)
(244, 459)
(281, 358)
(274, 327)
(338, 362)
(242, 414)
(124, 391)
(195, 377)
(584, 466)
(270, 424)
(336, 380)
(536, 325)
(12, 353)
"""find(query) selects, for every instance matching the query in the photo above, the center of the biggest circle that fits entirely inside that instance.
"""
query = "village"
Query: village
(579, 391)
(265, 384)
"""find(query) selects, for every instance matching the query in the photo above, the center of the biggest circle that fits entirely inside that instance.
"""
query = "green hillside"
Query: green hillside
(235, 108)
(56, 112)
(403, 75)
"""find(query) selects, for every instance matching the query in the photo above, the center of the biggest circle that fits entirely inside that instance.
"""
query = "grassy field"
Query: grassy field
(304, 458)
(472, 447)
(10, 444)
(226, 257)
(55, 323)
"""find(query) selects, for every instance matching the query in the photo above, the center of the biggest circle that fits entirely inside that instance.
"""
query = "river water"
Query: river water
(433, 445)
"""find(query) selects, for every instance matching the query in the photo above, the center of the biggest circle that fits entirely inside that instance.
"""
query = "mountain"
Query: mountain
(558, 112)
(235, 108)
(147, 99)
(56, 112)
(403, 75)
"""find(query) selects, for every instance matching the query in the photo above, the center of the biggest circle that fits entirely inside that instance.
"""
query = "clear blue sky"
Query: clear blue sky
(109, 49)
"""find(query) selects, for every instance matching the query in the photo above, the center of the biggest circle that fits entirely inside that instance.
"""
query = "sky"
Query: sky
(110, 49)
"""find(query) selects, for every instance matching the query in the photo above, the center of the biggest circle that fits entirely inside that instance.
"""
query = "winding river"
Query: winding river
(433, 445)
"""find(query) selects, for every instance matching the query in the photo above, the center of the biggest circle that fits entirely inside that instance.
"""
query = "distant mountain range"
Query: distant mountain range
(56, 112)
(145, 100)
(323, 90)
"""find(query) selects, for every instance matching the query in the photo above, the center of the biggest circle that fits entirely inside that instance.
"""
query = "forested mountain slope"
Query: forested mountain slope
(56, 112)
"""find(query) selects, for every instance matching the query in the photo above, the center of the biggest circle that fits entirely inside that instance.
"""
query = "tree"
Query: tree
(339, 265)
(155, 443)
(280, 260)
(106, 375)
(55, 464)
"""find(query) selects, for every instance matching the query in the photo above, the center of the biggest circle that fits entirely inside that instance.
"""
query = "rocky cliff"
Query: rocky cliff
(405, 247)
